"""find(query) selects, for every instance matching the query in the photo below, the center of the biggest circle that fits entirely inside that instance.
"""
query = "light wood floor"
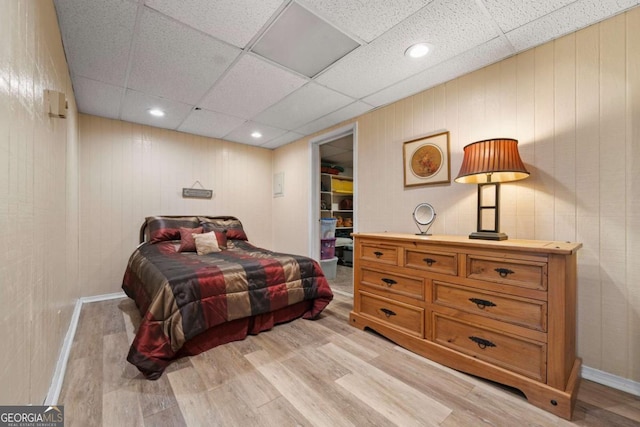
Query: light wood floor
(306, 373)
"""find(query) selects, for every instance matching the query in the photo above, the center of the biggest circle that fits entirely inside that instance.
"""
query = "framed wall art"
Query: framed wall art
(426, 160)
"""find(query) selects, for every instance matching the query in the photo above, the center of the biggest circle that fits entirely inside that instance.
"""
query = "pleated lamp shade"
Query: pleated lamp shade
(491, 160)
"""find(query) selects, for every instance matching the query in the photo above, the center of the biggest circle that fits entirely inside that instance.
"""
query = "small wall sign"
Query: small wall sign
(197, 193)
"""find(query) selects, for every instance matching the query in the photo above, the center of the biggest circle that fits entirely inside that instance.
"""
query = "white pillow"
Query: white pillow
(206, 243)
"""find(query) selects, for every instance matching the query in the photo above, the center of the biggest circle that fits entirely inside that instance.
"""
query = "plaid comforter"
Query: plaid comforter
(181, 295)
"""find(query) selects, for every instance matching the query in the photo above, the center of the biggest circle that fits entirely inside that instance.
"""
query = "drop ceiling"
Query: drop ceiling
(338, 152)
(203, 62)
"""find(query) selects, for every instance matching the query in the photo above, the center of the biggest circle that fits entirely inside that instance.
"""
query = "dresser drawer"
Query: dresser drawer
(398, 284)
(519, 311)
(380, 253)
(437, 262)
(515, 354)
(398, 315)
(522, 273)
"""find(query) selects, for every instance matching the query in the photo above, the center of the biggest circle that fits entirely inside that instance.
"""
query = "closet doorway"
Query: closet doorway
(334, 195)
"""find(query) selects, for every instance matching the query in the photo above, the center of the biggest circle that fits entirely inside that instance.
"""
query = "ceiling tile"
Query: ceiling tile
(250, 86)
(342, 159)
(302, 106)
(382, 63)
(346, 113)
(175, 61)
(328, 151)
(563, 21)
(210, 123)
(303, 42)
(97, 98)
(97, 37)
(136, 105)
(473, 59)
(243, 133)
(282, 140)
(509, 14)
(233, 21)
(344, 143)
(366, 20)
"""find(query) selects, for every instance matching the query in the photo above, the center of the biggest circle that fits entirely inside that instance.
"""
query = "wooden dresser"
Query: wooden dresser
(500, 310)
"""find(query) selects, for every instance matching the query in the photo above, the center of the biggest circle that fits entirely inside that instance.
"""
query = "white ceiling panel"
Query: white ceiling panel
(210, 123)
(243, 133)
(473, 59)
(328, 151)
(233, 21)
(250, 86)
(136, 105)
(577, 15)
(97, 98)
(282, 140)
(175, 61)
(304, 42)
(303, 106)
(511, 14)
(346, 113)
(182, 54)
(382, 63)
(97, 35)
(366, 20)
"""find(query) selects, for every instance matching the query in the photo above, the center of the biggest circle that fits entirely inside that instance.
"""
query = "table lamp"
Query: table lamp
(488, 163)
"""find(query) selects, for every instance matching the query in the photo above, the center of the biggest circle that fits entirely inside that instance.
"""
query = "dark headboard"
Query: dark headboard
(143, 227)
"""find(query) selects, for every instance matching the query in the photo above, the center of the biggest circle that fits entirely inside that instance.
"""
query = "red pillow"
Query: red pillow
(222, 239)
(160, 228)
(232, 227)
(187, 242)
(236, 233)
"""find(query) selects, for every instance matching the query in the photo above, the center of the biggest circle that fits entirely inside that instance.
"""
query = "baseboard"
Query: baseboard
(610, 380)
(63, 358)
(104, 297)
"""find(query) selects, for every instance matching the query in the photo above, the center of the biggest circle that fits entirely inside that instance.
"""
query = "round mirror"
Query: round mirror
(424, 215)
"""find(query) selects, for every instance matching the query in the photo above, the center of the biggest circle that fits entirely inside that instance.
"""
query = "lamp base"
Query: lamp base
(488, 235)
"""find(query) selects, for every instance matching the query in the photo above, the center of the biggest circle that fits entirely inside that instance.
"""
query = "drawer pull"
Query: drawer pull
(378, 254)
(387, 312)
(482, 343)
(503, 272)
(389, 282)
(482, 303)
(429, 261)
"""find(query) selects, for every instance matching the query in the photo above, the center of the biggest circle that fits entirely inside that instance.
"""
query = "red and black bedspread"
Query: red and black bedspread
(182, 296)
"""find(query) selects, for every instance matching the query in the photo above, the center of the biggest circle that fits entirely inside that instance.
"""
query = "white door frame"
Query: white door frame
(314, 218)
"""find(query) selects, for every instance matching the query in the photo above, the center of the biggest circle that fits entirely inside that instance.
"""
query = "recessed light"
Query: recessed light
(417, 50)
(256, 134)
(156, 112)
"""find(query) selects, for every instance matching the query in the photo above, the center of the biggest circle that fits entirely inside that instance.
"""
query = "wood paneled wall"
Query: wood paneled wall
(130, 171)
(38, 202)
(574, 106)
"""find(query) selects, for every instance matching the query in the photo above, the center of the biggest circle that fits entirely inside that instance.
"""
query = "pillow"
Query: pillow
(236, 233)
(161, 228)
(206, 243)
(232, 227)
(221, 236)
(187, 242)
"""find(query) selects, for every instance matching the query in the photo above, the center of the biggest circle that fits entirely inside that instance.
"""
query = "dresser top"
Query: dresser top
(544, 246)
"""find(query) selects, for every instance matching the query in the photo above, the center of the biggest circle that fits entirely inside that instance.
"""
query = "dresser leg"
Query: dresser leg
(558, 402)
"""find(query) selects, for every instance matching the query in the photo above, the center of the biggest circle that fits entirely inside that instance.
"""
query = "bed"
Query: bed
(193, 297)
